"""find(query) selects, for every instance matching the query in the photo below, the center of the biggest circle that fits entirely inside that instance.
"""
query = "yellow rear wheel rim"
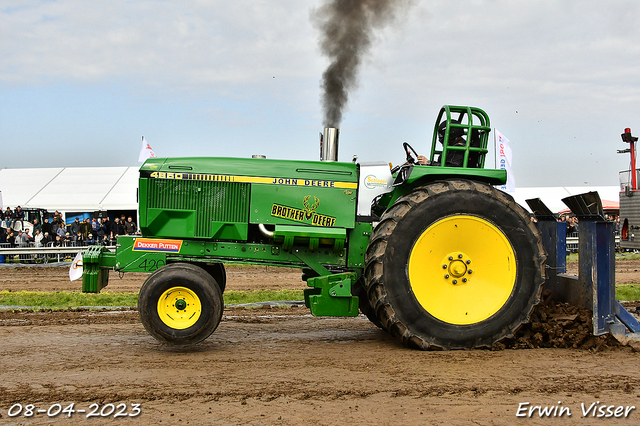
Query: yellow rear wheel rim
(462, 269)
(179, 308)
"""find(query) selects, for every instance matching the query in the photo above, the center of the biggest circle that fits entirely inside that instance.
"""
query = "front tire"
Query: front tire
(217, 271)
(180, 304)
(454, 265)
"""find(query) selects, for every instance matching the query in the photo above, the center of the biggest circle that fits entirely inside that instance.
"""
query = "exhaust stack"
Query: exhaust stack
(329, 144)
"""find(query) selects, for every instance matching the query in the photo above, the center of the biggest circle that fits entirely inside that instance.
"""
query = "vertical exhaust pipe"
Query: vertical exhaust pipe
(329, 144)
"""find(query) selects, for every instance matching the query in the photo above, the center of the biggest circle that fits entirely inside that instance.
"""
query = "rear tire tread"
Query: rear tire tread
(374, 269)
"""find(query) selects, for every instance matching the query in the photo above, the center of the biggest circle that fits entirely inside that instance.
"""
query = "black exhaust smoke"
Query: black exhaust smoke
(347, 32)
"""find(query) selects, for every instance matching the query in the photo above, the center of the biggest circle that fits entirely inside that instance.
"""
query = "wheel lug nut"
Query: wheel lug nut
(470, 271)
(455, 281)
(446, 276)
(444, 266)
(460, 256)
(468, 261)
(464, 280)
(450, 257)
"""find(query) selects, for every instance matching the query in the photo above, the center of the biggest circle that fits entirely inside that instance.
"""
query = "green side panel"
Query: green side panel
(316, 206)
(331, 295)
(140, 254)
(132, 258)
(170, 223)
(358, 242)
(195, 209)
(218, 197)
(288, 231)
(229, 231)
(311, 173)
(421, 174)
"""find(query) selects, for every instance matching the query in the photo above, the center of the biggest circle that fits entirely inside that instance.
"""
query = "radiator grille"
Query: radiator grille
(226, 202)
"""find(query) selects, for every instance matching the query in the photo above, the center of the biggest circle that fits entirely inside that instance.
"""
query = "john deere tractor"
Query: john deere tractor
(434, 254)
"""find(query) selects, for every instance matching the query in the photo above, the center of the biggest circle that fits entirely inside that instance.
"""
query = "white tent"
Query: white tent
(71, 189)
(552, 196)
(88, 189)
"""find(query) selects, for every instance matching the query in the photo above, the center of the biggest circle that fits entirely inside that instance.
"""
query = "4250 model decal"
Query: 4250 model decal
(250, 179)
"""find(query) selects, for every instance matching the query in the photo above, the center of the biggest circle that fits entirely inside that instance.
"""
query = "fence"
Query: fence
(32, 254)
(48, 254)
(572, 242)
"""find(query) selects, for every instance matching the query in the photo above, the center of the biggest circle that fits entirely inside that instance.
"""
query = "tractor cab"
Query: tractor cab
(460, 137)
(458, 150)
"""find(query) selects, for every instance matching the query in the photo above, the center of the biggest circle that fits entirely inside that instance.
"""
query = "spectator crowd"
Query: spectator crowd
(53, 232)
(572, 222)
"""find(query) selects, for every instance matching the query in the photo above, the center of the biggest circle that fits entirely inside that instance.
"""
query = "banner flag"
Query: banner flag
(75, 271)
(503, 161)
(146, 151)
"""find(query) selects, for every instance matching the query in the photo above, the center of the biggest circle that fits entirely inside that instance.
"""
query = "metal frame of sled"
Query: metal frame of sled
(594, 287)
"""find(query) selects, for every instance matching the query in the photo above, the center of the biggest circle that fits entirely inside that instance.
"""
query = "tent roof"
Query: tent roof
(85, 189)
(552, 196)
(607, 206)
(71, 189)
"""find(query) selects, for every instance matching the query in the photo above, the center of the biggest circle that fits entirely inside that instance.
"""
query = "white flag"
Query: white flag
(146, 151)
(503, 161)
(75, 271)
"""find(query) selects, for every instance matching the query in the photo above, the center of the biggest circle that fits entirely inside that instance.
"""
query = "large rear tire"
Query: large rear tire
(454, 265)
(358, 289)
(180, 304)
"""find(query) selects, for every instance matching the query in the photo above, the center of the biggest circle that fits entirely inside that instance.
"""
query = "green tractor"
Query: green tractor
(434, 254)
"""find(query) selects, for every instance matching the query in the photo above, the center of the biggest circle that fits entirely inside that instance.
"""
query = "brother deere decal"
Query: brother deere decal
(306, 214)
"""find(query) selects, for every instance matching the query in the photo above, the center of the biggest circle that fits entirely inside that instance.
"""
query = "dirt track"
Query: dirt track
(57, 279)
(285, 367)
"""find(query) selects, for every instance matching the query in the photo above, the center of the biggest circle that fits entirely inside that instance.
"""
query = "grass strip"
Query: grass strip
(628, 292)
(257, 296)
(627, 256)
(68, 299)
(573, 257)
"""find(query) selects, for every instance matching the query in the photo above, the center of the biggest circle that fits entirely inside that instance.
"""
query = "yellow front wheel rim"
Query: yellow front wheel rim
(179, 308)
(462, 269)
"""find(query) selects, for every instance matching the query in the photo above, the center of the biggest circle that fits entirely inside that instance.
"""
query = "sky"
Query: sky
(81, 82)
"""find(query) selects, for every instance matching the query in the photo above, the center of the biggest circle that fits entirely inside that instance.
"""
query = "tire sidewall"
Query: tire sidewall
(217, 271)
(405, 235)
(196, 280)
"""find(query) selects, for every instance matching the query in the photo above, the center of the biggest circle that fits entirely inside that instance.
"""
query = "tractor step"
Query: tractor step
(331, 295)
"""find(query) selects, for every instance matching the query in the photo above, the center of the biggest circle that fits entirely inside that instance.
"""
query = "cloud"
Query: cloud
(557, 77)
(183, 44)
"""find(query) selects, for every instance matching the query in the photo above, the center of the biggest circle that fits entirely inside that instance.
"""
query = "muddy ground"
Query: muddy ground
(284, 367)
(40, 278)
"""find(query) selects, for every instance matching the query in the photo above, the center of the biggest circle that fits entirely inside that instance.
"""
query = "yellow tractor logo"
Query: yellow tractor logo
(309, 209)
